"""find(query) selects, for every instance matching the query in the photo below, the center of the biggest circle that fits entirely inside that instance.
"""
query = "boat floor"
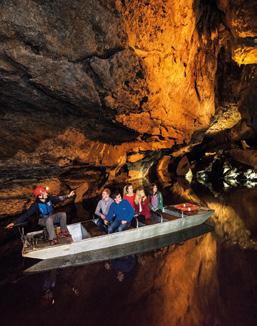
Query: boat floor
(41, 243)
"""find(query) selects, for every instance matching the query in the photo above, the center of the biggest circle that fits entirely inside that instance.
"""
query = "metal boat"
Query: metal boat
(172, 226)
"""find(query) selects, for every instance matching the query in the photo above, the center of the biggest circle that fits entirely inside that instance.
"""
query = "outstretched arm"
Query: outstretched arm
(57, 199)
(24, 217)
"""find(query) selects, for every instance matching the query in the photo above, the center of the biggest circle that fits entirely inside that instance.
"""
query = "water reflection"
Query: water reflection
(123, 267)
(234, 272)
(235, 218)
(235, 215)
(194, 282)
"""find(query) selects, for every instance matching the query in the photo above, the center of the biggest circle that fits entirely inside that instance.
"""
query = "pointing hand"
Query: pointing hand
(9, 226)
(71, 194)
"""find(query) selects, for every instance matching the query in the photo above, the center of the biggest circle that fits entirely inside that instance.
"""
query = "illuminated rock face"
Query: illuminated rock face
(100, 82)
(179, 72)
(107, 84)
(111, 70)
(240, 16)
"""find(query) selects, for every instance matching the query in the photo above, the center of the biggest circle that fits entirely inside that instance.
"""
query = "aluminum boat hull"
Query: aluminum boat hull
(120, 244)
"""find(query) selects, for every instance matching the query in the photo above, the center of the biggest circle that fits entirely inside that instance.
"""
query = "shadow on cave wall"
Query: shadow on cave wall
(49, 74)
(208, 16)
(23, 126)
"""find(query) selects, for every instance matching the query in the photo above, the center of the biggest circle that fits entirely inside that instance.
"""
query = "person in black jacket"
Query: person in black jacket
(44, 207)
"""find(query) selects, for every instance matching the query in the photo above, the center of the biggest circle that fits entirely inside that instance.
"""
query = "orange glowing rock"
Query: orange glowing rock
(245, 55)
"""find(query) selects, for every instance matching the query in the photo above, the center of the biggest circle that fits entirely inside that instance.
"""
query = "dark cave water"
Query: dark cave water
(159, 288)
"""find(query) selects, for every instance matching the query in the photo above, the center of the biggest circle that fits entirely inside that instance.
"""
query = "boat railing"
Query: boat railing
(160, 215)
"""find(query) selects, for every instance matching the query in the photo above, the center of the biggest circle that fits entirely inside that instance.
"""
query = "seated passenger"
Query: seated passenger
(102, 210)
(120, 214)
(156, 199)
(44, 207)
(142, 205)
(129, 195)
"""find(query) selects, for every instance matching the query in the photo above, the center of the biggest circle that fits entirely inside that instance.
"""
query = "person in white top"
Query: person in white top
(102, 210)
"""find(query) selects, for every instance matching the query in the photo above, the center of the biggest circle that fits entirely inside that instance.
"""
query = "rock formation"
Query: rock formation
(107, 85)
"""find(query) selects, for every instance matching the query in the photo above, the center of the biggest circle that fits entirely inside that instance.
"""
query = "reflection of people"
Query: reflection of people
(129, 195)
(48, 287)
(102, 210)
(120, 214)
(44, 206)
(123, 266)
(142, 205)
(50, 279)
(156, 199)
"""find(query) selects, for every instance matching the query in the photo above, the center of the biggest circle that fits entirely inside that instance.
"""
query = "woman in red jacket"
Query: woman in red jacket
(142, 205)
(128, 194)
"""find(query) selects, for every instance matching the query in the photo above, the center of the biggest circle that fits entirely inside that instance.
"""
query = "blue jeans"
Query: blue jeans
(100, 224)
(116, 226)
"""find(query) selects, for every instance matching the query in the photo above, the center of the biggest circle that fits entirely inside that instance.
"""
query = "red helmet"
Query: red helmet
(39, 190)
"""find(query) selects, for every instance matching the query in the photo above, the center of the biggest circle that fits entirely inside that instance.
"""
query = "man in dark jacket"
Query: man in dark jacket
(44, 207)
(120, 214)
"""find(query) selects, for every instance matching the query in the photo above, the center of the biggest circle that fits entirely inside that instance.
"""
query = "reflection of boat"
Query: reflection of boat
(85, 249)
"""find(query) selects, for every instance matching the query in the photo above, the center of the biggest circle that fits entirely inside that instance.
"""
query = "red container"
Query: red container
(187, 208)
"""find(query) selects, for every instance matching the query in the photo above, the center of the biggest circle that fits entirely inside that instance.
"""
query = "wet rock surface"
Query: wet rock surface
(99, 61)
(115, 85)
(95, 92)
(97, 83)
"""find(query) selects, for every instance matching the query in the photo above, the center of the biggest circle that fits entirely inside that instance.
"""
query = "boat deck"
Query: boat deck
(37, 241)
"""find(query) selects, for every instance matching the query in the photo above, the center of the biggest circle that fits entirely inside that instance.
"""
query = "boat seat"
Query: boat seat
(39, 233)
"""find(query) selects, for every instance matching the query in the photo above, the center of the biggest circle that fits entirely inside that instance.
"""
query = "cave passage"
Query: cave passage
(102, 93)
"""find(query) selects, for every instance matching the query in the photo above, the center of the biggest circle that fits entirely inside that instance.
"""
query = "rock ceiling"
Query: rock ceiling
(105, 83)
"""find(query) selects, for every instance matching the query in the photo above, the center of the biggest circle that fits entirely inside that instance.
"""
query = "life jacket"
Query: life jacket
(45, 209)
